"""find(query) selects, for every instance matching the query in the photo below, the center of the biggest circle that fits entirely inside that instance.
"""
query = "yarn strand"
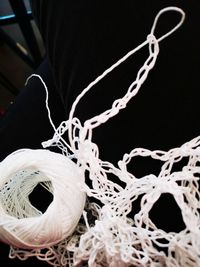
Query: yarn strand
(76, 232)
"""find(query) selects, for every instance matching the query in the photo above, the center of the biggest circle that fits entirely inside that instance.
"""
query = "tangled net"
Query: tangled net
(111, 238)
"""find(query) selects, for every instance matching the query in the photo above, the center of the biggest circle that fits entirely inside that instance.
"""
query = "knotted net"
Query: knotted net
(112, 238)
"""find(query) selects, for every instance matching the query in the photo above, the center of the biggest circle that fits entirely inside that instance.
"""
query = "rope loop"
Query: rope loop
(102, 234)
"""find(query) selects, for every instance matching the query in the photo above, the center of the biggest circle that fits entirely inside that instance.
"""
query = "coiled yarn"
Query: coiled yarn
(112, 238)
(21, 224)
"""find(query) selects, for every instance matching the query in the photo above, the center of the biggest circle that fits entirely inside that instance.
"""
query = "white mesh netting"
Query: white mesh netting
(106, 235)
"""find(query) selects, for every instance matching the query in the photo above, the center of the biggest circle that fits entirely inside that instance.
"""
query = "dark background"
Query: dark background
(163, 115)
(11, 65)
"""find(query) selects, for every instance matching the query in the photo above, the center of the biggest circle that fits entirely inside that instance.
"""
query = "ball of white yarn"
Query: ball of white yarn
(21, 224)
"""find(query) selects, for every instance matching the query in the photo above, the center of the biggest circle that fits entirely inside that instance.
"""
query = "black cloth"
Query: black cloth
(82, 39)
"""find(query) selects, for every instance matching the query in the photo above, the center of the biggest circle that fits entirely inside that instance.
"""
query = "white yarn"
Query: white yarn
(113, 239)
(21, 224)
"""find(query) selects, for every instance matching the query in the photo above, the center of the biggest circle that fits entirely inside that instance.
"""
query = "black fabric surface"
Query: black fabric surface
(82, 39)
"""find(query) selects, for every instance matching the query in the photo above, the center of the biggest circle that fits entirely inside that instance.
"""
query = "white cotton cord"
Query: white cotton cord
(47, 96)
(101, 235)
(136, 249)
(57, 140)
(21, 224)
(121, 103)
(99, 78)
(164, 10)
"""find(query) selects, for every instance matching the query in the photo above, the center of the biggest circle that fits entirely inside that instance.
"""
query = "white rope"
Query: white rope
(111, 238)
